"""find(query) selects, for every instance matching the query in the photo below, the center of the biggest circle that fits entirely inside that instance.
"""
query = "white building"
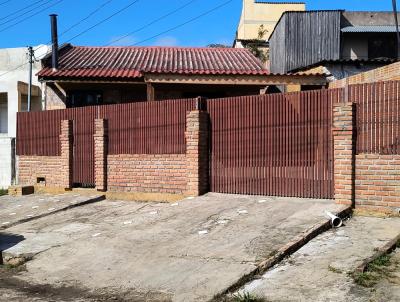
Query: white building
(13, 98)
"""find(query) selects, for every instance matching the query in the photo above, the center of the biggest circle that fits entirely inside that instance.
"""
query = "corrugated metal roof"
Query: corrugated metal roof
(369, 29)
(134, 62)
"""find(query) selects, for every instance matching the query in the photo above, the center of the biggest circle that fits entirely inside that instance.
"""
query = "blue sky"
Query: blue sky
(216, 27)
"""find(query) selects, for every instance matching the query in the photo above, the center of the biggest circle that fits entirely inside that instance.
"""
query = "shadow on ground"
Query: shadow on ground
(8, 240)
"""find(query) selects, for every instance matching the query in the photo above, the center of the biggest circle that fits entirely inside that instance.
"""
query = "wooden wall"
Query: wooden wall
(304, 38)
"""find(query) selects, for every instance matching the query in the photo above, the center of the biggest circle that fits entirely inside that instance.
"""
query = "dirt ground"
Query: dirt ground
(131, 251)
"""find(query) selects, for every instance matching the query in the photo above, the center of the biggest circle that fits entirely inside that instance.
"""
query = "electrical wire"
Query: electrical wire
(4, 2)
(152, 22)
(20, 10)
(33, 15)
(104, 20)
(184, 23)
(87, 17)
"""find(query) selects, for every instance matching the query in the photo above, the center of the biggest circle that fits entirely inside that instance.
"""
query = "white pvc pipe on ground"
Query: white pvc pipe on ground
(336, 222)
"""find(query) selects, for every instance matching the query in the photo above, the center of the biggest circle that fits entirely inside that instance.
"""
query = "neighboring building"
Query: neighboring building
(256, 14)
(13, 98)
(344, 43)
(108, 75)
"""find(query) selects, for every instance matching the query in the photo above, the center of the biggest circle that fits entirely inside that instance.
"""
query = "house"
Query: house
(110, 75)
(13, 98)
(264, 15)
(344, 43)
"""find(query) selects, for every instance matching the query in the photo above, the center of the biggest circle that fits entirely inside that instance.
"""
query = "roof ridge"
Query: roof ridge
(163, 47)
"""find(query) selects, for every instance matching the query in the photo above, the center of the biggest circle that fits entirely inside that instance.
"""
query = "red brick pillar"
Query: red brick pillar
(100, 154)
(66, 142)
(197, 152)
(344, 152)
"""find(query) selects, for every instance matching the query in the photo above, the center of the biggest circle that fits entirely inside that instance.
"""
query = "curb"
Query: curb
(285, 251)
(89, 201)
(386, 249)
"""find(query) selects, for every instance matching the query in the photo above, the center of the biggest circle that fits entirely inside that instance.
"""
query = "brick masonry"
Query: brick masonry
(147, 173)
(343, 137)
(56, 170)
(197, 152)
(183, 174)
(386, 73)
(366, 181)
(100, 154)
(377, 182)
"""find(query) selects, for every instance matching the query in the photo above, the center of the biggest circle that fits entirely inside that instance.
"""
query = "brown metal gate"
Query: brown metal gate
(279, 144)
(83, 146)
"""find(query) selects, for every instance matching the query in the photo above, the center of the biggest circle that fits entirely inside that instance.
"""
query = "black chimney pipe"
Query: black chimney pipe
(54, 41)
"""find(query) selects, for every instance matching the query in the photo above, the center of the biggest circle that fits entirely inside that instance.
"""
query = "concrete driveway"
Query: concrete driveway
(186, 251)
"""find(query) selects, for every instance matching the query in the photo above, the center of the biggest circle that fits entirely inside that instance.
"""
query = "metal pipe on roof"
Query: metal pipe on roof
(54, 41)
(397, 27)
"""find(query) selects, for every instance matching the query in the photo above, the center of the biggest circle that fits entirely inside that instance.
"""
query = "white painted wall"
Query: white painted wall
(10, 59)
(5, 161)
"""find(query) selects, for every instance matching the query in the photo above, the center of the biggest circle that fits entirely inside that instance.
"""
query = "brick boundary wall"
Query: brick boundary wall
(386, 73)
(368, 182)
(56, 170)
(183, 174)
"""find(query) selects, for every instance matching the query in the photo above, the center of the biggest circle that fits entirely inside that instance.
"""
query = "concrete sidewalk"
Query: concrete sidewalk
(321, 270)
(14, 210)
(187, 251)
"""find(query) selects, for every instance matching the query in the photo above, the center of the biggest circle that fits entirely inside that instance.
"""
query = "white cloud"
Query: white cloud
(122, 41)
(166, 41)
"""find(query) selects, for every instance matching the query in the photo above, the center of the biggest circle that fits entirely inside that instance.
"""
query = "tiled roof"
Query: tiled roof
(369, 29)
(135, 62)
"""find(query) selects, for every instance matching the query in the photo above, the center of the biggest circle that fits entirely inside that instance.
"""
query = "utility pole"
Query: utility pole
(31, 61)
(397, 28)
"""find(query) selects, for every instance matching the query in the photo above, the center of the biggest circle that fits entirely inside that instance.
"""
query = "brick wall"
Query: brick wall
(183, 174)
(147, 173)
(366, 181)
(387, 73)
(377, 182)
(32, 167)
(56, 170)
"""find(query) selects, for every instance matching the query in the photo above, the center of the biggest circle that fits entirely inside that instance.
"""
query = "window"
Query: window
(84, 98)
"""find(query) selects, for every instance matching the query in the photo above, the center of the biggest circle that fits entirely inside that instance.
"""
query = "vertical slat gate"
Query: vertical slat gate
(279, 144)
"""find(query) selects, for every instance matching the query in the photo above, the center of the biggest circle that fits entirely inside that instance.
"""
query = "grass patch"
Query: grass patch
(246, 297)
(374, 272)
(383, 260)
(366, 279)
(3, 192)
(334, 269)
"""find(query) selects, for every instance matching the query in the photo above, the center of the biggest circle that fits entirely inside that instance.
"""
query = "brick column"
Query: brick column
(197, 152)
(100, 154)
(66, 142)
(344, 152)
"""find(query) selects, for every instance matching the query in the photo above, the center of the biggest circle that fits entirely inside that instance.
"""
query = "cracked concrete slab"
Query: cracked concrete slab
(160, 247)
(319, 271)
